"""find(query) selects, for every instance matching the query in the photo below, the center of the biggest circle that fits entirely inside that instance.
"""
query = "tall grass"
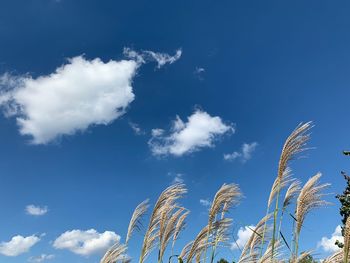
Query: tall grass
(266, 243)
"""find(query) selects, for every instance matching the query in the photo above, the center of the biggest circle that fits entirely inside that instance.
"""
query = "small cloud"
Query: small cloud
(86, 243)
(243, 236)
(200, 131)
(244, 155)
(232, 156)
(157, 132)
(198, 72)
(161, 58)
(178, 179)
(36, 210)
(41, 258)
(205, 202)
(136, 128)
(18, 245)
(328, 244)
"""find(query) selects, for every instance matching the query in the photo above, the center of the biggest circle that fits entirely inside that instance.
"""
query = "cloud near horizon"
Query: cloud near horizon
(86, 243)
(328, 244)
(200, 131)
(76, 96)
(243, 236)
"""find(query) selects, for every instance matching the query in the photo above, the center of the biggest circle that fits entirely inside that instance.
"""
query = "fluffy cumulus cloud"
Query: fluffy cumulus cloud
(244, 155)
(86, 243)
(243, 235)
(36, 210)
(18, 245)
(76, 96)
(328, 243)
(199, 131)
(41, 258)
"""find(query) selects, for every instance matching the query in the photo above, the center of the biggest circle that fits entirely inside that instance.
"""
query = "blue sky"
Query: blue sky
(231, 73)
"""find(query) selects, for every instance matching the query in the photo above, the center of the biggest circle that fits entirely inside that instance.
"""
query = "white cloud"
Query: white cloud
(157, 132)
(87, 242)
(198, 72)
(243, 236)
(36, 210)
(232, 156)
(76, 96)
(163, 58)
(136, 128)
(178, 179)
(145, 56)
(328, 244)
(18, 245)
(205, 202)
(41, 258)
(198, 132)
(244, 155)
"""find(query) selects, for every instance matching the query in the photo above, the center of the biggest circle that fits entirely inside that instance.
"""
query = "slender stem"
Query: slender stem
(206, 244)
(281, 219)
(213, 254)
(296, 245)
(263, 234)
(346, 255)
(275, 213)
(293, 241)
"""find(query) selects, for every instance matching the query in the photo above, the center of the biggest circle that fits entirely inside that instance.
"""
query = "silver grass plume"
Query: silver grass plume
(135, 221)
(294, 145)
(165, 201)
(310, 197)
(116, 252)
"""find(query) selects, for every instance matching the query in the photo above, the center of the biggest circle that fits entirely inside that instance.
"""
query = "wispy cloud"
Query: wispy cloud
(205, 202)
(178, 179)
(86, 243)
(198, 72)
(244, 155)
(41, 258)
(136, 128)
(198, 132)
(36, 210)
(328, 244)
(243, 236)
(18, 245)
(145, 56)
(157, 132)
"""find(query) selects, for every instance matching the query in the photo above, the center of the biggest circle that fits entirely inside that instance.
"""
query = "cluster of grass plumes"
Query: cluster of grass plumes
(266, 243)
